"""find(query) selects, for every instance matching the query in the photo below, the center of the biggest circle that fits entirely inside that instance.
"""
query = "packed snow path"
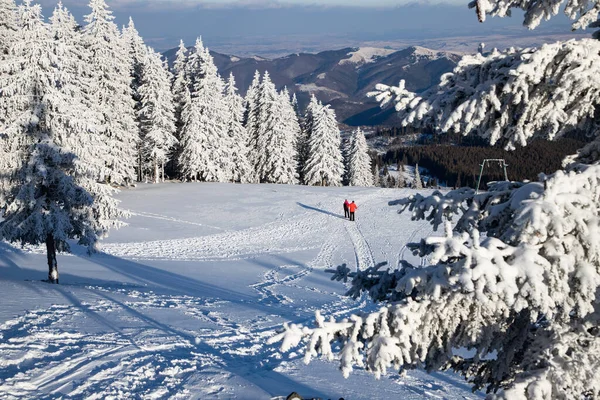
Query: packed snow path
(181, 302)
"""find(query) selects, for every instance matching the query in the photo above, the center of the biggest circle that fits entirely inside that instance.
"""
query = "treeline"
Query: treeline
(460, 165)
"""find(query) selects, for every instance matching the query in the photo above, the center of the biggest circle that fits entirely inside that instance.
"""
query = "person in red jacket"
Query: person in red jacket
(352, 208)
(346, 212)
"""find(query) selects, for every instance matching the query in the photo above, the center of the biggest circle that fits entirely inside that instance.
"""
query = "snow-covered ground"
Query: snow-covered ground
(182, 301)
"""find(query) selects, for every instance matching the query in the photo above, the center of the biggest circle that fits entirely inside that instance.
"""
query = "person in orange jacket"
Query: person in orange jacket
(352, 208)
(346, 212)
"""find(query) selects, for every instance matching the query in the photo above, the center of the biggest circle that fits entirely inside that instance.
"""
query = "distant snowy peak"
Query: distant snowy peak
(419, 53)
(366, 55)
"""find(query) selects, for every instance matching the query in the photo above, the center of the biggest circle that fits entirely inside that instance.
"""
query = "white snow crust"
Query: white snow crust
(181, 302)
(365, 55)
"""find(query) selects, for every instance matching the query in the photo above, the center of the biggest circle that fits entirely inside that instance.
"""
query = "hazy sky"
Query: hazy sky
(250, 26)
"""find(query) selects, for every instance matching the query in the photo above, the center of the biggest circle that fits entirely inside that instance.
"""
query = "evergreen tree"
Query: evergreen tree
(137, 54)
(181, 85)
(359, 161)
(205, 143)
(417, 182)
(324, 165)
(242, 171)
(182, 97)
(57, 197)
(156, 115)
(111, 88)
(274, 134)
(296, 107)
(8, 25)
(303, 139)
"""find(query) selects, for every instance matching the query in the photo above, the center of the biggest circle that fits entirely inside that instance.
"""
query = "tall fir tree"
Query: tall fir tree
(180, 88)
(58, 196)
(137, 57)
(251, 120)
(273, 141)
(156, 115)
(205, 144)
(359, 161)
(111, 88)
(306, 129)
(417, 181)
(324, 165)
(241, 169)
(8, 25)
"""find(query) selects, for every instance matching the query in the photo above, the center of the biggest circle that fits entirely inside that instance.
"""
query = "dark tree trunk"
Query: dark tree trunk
(52, 263)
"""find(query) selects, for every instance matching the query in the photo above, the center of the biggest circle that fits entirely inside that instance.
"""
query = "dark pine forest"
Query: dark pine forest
(456, 160)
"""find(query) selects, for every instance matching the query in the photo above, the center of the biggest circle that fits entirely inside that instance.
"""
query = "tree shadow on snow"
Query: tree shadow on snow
(320, 210)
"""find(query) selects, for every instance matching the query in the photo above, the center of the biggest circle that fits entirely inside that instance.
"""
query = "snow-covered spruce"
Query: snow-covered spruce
(8, 24)
(273, 129)
(181, 85)
(58, 196)
(241, 169)
(358, 161)
(510, 97)
(110, 64)
(205, 143)
(137, 58)
(417, 181)
(324, 165)
(156, 116)
(306, 129)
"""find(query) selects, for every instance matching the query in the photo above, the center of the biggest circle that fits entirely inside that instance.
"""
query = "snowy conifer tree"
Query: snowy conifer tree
(137, 55)
(273, 141)
(518, 281)
(359, 161)
(181, 85)
(205, 143)
(111, 88)
(307, 127)
(156, 115)
(417, 181)
(324, 164)
(242, 170)
(8, 24)
(57, 197)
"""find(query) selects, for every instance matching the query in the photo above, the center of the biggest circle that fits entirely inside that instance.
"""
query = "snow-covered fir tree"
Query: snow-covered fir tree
(359, 161)
(516, 277)
(156, 116)
(306, 129)
(417, 181)
(273, 128)
(324, 164)
(251, 105)
(58, 196)
(242, 171)
(110, 64)
(137, 56)
(205, 143)
(8, 25)
(181, 85)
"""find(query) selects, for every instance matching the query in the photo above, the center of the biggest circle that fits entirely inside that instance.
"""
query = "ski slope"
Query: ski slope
(180, 303)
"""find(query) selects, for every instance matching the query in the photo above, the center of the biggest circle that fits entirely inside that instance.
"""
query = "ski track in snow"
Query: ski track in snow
(127, 350)
(277, 237)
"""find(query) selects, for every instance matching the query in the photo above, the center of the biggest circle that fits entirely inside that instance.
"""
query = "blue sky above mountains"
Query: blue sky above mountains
(279, 27)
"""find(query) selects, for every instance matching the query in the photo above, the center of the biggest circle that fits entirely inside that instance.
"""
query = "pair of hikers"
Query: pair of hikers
(349, 209)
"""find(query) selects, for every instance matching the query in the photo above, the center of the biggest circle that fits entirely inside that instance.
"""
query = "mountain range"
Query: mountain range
(342, 78)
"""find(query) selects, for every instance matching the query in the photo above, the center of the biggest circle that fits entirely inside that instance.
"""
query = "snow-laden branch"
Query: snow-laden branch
(584, 13)
(527, 305)
(510, 97)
